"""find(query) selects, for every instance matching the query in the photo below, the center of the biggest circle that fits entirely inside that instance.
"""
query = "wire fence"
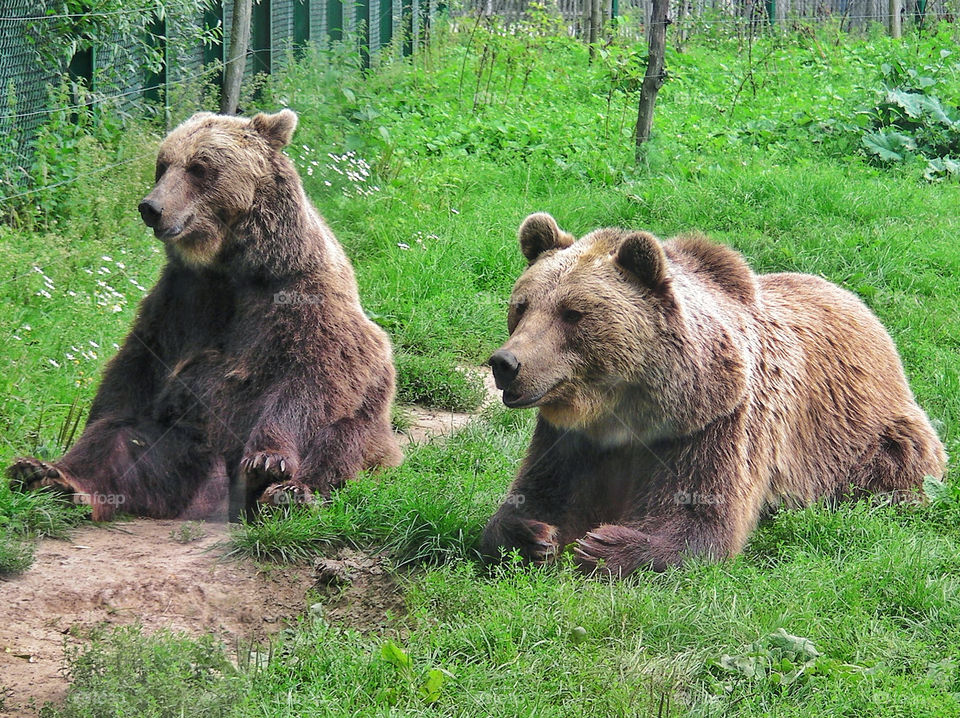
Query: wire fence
(171, 53)
(164, 54)
(635, 14)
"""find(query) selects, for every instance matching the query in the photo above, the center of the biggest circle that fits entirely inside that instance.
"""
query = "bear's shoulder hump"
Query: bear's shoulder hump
(722, 266)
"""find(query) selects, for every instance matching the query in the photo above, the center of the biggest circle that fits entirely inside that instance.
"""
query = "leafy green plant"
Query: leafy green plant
(777, 659)
(910, 120)
(427, 685)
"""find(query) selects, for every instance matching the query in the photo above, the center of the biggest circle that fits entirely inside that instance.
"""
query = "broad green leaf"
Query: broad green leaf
(801, 648)
(393, 654)
(910, 102)
(888, 145)
(935, 489)
(430, 690)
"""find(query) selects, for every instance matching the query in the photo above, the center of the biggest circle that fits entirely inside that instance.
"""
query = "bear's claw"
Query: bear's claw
(536, 540)
(28, 474)
(270, 467)
(287, 494)
(619, 550)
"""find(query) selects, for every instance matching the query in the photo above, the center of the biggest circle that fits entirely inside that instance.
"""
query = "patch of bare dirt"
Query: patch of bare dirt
(139, 572)
(134, 572)
(426, 423)
(362, 590)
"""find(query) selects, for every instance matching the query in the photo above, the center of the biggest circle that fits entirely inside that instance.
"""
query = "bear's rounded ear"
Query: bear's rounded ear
(276, 129)
(540, 233)
(640, 254)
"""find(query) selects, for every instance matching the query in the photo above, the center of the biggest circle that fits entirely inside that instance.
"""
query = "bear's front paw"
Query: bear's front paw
(618, 551)
(536, 541)
(261, 468)
(287, 494)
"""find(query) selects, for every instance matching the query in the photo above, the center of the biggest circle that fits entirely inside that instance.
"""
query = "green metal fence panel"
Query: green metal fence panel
(260, 40)
(373, 27)
(385, 16)
(318, 22)
(117, 72)
(301, 24)
(281, 33)
(23, 92)
(335, 20)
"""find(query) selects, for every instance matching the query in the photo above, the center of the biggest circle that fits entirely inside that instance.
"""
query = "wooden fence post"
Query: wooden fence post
(895, 30)
(656, 74)
(237, 59)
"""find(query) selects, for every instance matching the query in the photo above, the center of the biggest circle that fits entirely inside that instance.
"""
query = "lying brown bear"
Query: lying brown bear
(681, 397)
(251, 363)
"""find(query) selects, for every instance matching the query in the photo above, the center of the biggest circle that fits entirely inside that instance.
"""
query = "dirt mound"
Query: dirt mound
(361, 589)
(162, 574)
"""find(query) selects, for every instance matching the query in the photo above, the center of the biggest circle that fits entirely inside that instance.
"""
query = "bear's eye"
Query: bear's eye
(571, 316)
(197, 170)
(519, 308)
(161, 169)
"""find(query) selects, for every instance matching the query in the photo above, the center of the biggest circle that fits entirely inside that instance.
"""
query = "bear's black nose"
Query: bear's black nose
(505, 367)
(150, 211)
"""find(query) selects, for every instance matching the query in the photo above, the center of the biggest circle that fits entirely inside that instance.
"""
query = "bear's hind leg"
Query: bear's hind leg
(144, 469)
(30, 474)
(895, 464)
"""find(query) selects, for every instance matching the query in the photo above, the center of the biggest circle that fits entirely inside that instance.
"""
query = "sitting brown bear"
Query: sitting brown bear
(251, 363)
(681, 397)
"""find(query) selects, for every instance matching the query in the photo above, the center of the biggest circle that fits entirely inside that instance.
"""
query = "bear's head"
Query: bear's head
(211, 170)
(600, 340)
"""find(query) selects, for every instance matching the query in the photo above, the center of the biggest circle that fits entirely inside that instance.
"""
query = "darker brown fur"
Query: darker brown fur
(251, 366)
(681, 397)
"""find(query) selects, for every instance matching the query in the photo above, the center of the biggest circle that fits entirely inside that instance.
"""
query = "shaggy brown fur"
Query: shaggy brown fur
(251, 363)
(681, 397)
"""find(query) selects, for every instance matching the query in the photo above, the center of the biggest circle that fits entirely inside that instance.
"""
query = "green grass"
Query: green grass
(776, 170)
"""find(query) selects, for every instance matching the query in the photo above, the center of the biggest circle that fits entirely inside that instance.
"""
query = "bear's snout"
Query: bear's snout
(150, 211)
(505, 367)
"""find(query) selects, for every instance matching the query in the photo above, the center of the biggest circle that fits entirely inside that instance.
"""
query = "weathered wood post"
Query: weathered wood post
(237, 59)
(895, 30)
(656, 73)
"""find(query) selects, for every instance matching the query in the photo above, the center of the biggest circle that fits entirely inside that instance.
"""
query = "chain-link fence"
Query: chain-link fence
(163, 51)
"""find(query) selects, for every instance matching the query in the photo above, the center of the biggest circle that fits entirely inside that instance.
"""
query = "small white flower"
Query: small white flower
(70, 357)
(53, 363)
(27, 328)
(93, 344)
(116, 346)
(403, 245)
(105, 258)
(17, 338)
